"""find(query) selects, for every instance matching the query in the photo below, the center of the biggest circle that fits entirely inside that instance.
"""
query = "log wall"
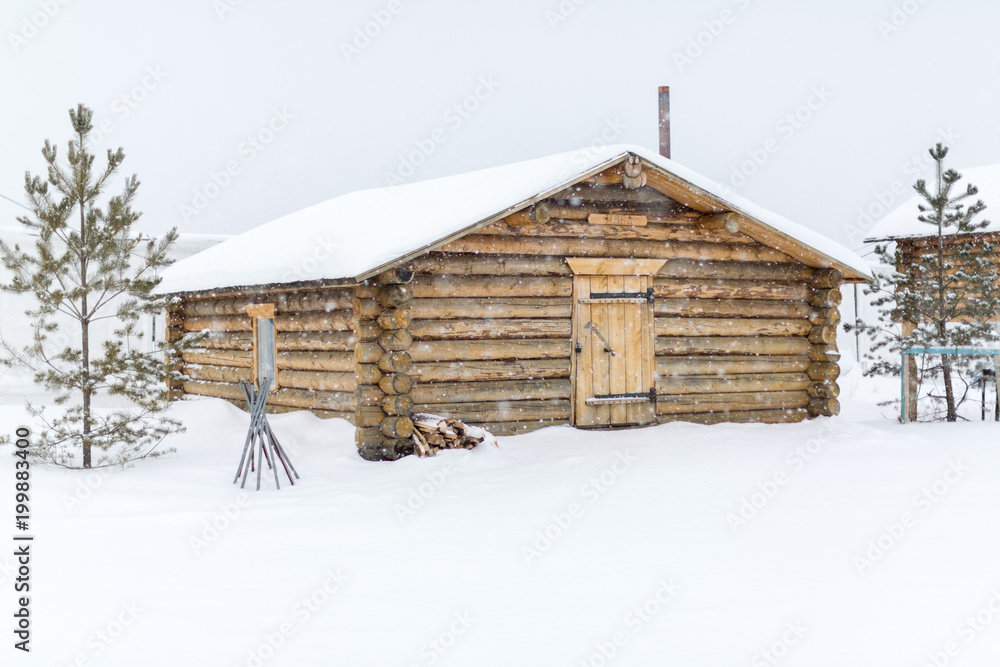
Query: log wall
(741, 328)
(315, 341)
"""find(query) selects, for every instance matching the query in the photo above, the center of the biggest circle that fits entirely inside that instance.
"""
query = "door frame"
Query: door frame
(602, 266)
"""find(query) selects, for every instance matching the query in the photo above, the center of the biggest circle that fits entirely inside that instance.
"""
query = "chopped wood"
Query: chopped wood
(432, 433)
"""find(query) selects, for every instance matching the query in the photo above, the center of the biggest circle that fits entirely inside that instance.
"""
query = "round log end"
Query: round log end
(396, 383)
(397, 427)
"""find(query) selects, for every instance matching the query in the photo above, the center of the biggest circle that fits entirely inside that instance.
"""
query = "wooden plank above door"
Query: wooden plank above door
(609, 266)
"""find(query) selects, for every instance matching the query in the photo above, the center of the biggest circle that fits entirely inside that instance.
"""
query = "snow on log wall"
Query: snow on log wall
(315, 348)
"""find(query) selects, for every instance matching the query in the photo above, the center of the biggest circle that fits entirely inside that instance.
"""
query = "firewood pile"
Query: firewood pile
(432, 433)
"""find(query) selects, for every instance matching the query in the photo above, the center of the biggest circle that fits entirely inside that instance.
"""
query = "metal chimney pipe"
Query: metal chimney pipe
(664, 92)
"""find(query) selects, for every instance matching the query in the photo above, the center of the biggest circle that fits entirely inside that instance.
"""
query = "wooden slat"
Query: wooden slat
(618, 365)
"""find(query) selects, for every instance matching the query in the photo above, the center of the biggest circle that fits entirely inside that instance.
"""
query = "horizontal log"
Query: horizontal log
(750, 382)
(366, 309)
(696, 403)
(479, 329)
(319, 400)
(826, 279)
(367, 374)
(341, 320)
(367, 330)
(470, 264)
(394, 296)
(395, 340)
(395, 361)
(828, 389)
(399, 275)
(493, 307)
(398, 405)
(823, 370)
(396, 383)
(616, 248)
(230, 374)
(341, 341)
(368, 436)
(368, 395)
(710, 326)
(742, 345)
(730, 365)
(824, 352)
(789, 416)
(732, 307)
(826, 298)
(503, 411)
(456, 350)
(394, 318)
(425, 286)
(327, 300)
(478, 371)
(822, 316)
(284, 409)
(369, 416)
(321, 380)
(397, 427)
(822, 335)
(519, 428)
(728, 289)
(242, 358)
(426, 394)
(719, 222)
(714, 270)
(824, 407)
(648, 232)
(368, 352)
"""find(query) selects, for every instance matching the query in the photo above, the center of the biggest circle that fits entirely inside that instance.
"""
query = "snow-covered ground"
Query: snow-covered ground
(847, 541)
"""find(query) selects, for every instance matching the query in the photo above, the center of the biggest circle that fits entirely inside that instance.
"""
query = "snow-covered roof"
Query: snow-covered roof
(358, 234)
(902, 221)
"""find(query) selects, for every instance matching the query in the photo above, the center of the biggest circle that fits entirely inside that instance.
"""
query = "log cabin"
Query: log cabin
(609, 287)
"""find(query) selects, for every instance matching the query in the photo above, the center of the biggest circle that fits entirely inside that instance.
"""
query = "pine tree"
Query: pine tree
(944, 293)
(89, 264)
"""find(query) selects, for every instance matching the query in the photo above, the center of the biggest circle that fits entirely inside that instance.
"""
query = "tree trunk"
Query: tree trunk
(84, 329)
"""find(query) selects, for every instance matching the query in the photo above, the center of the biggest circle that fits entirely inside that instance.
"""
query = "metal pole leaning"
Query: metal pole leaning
(261, 444)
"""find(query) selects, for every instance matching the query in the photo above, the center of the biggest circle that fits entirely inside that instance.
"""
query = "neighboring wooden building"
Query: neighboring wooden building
(602, 288)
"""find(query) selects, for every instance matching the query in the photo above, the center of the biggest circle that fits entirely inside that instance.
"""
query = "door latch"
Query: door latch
(607, 345)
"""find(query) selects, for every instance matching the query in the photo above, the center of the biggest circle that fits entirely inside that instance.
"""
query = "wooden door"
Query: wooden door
(613, 341)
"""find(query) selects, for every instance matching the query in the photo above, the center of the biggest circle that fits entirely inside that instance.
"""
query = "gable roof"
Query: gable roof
(361, 234)
(902, 223)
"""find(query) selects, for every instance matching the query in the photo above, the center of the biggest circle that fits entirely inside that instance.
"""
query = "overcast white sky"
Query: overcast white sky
(885, 80)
